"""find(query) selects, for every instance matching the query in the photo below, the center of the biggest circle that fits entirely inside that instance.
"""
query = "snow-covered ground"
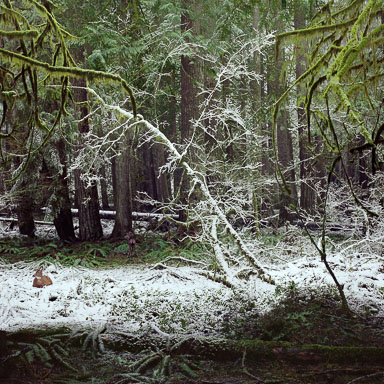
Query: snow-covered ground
(174, 300)
(181, 300)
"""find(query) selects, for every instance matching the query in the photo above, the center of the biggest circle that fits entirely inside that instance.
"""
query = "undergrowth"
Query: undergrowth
(151, 249)
(306, 316)
(156, 249)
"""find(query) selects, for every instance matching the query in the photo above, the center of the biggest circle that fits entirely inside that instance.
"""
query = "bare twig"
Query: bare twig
(362, 378)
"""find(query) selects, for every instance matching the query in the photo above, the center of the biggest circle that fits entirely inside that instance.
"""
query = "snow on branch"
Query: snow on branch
(195, 176)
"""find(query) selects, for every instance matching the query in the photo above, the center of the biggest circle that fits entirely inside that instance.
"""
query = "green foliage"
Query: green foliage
(96, 61)
(122, 248)
(90, 255)
(46, 350)
(339, 73)
(42, 59)
(155, 249)
(160, 365)
(93, 255)
(91, 341)
(270, 239)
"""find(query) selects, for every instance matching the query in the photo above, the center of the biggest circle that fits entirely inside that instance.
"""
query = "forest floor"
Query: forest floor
(102, 297)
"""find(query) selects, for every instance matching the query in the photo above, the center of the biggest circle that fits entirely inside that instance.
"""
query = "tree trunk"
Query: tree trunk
(285, 158)
(114, 183)
(25, 211)
(123, 193)
(172, 129)
(89, 219)
(284, 148)
(104, 189)
(150, 176)
(189, 94)
(255, 156)
(307, 165)
(161, 180)
(62, 211)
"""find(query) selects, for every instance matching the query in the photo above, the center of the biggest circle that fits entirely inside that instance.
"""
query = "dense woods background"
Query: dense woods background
(277, 133)
(249, 133)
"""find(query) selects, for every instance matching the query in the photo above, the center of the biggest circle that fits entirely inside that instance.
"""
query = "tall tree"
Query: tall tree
(88, 198)
(283, 137)
(190, 80)
(61, 203)
(123, 191)
(308, 164)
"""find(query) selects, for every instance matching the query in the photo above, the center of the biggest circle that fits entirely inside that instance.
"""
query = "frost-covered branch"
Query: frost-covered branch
(195, 176)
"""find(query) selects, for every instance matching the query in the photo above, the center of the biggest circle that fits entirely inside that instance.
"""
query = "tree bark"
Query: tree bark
(104, 189)
(161, 180)
(285, 155)
(89, 219)
(255, 193)
(150, 171)
(189, 94)
(284, 145)
(307, 165)
(62, 212)
(25, 211)
(123, 192)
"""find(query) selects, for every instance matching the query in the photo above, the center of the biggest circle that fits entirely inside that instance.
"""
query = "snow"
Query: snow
(182, 301)
(131, 298)
(170, 300)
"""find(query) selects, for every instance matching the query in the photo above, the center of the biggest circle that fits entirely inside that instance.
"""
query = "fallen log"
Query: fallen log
(107, 215)
(139, 216)
(61, 352)
(256, 350)
(13, 220)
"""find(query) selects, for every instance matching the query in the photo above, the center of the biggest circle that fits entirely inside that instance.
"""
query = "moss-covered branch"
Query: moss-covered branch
(59, 71)
(27, 34)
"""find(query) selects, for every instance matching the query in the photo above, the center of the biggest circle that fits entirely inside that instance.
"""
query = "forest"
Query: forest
(188, 188)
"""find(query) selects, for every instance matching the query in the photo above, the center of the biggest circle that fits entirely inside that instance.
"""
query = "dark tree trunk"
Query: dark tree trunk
(285, 150)
(123, 193)
(114, 183)
(172, 129)
(25, 212)
(150, 177)
(62, 212)
(189, 95)
(257, 95)
(89, 219)
(104, 189)
(307, 165)
(285, 157)
(276, 87)
(161, 180)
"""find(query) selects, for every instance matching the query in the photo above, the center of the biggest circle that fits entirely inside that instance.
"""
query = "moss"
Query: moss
(258, 349)
(310, 32)
(342, 70)
(27, 34)
(58, 72)
(347, 354)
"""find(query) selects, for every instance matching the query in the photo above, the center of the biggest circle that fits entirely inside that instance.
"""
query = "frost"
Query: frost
(174, 301)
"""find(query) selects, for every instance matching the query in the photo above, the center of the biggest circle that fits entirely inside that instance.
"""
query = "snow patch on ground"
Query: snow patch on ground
(170, 301)
(362, 277)
(175, 300)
